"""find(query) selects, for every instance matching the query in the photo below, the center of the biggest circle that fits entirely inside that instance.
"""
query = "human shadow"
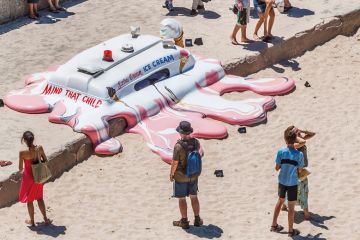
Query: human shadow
(7, 27)
(296, 12)
(210, 14)
(206, 231)
(182, 11)
(295, 66)
(44, 19)
(309, 237)
(286, 63)
(258, 46)
(50, 230)
(51, 18)
(315, 219)
(179, 11)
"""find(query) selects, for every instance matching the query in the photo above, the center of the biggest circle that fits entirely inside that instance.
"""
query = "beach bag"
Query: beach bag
(194, 162)
(40, 170)
(280, 5)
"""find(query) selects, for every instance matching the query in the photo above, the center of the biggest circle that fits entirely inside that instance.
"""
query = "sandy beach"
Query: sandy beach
(28, 47)
(128, 196)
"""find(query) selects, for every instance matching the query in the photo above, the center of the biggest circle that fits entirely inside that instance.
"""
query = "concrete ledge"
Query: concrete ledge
(13, 9)
(297, 45)
(59, 162)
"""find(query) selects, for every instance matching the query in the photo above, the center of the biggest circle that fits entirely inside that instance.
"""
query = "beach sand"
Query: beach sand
(128, 196)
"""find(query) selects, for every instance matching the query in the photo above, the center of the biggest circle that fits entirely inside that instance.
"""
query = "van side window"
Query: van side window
(152, 79)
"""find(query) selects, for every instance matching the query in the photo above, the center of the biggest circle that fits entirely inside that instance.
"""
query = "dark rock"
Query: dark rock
(219, 173)
(242, 130)
(198, 41)
(307, 84)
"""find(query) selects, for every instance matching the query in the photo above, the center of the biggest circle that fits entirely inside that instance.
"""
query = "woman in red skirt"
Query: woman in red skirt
(29, 190)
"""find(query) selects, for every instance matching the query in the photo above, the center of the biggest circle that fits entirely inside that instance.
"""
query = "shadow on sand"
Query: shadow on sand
(309, 237)
(315, 219)
(46, 17)
(51, 18)
(50, 230)
(182, 11)
(206, 231)
(296, 12)
(293, 64)
(258, 46)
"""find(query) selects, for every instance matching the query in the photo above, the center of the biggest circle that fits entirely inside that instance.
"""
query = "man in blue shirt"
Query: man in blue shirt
(289, 161)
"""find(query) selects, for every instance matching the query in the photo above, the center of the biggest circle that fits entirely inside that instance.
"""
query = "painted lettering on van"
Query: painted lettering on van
(128, 79)
(159, 62)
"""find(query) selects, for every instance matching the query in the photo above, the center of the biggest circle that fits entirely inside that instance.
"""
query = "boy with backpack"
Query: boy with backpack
(185, 170)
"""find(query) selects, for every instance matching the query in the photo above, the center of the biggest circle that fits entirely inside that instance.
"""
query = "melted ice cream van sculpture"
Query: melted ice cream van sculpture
(152, 87)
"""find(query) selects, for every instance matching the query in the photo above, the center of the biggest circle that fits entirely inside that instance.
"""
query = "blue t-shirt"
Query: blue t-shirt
(290, 160)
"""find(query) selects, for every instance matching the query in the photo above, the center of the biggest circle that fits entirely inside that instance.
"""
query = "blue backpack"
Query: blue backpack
(194, 163)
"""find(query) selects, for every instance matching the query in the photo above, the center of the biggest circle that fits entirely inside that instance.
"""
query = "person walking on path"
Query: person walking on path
(243, 13)
(29, 190)
(265, 10)
(185, 185)
(289, 161)
(303, 187)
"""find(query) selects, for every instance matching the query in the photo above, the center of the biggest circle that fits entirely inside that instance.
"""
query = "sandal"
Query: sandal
(48, 222)
(294, 232)
(33, 17)
(277, 228)
(183, 223)
(53, 10)
(266, 39)
(5, 163)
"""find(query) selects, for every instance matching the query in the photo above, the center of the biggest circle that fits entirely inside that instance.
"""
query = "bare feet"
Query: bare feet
(233, 41)
(33, 17)
(256, 37)
(30, 222)
(47, 221)
(246, 40)
(306, 214)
